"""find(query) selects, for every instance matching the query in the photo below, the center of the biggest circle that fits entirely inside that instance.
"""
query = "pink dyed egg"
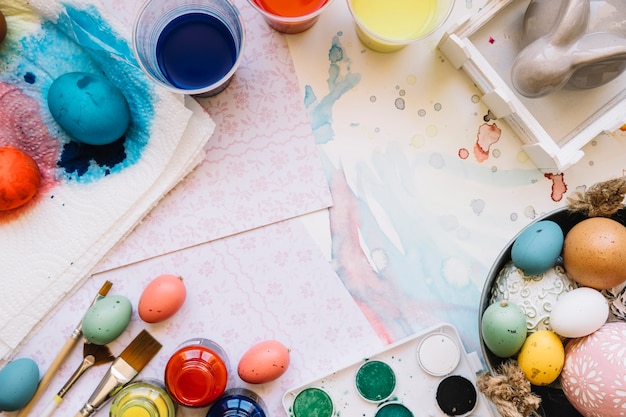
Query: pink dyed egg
(593, 376)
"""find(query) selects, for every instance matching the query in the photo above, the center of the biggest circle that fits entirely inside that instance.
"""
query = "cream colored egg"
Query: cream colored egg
(579, 313)
(534, 294)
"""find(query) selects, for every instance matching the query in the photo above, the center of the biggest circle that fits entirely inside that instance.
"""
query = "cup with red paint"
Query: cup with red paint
(290, 16)
(190, 47)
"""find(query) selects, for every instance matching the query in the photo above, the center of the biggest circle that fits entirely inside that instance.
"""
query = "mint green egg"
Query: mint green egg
(107, 319)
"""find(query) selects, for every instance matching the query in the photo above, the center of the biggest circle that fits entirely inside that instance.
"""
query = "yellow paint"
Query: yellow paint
(136, 412)
(391, 24)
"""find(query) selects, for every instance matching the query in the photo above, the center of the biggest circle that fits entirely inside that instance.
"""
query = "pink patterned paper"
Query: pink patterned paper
(269, 283)
(262, 164)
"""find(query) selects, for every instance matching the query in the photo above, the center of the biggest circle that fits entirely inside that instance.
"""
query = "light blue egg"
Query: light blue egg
(89, 108)
(18, 383)
(538, 247)
(107, 319)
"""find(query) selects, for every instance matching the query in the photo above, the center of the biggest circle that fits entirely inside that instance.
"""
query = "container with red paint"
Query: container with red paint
(197, 373)
(290, 16)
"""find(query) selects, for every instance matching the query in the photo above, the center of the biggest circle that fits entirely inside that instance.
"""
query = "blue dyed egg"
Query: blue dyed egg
(538, 247)
(18, 383)
(107, 319)
(89, 108)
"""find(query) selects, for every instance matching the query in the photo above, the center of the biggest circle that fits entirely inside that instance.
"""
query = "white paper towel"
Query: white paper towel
(54, 245)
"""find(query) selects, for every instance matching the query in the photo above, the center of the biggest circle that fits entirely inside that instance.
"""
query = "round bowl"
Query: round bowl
(553, 400)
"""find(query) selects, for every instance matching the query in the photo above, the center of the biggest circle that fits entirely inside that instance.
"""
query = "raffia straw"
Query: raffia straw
(601, 200)
(509, 390)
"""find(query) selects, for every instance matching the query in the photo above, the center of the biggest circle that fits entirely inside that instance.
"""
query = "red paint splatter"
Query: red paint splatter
(559, 188)
(491, 40)
(463, 153)
(488, 134)
(22, 127)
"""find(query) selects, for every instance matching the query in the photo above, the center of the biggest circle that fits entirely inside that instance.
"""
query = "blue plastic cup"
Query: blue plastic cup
(190, 47)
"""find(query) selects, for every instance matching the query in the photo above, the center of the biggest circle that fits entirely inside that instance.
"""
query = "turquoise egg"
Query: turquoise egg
(107, 319)
(89, 108)
(18, 383)
(538, 247)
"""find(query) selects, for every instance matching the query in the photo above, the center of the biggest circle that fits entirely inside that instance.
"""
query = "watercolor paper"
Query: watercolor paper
(427, 185)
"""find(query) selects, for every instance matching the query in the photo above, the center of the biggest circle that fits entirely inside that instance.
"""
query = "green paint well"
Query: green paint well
(375, 380)
(312, 402)
(394, 410)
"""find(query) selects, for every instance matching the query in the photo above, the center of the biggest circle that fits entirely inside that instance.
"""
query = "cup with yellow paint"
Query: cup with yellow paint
(390, 25)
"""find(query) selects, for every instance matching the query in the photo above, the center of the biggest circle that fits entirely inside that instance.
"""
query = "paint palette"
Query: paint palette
(428, 374)
(553, 131)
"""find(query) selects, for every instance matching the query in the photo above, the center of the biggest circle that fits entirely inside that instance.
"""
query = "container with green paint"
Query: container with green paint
(375, 381)
(313, 402)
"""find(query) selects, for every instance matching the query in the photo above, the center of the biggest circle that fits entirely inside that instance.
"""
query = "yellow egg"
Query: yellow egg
(541, 358)
(594, 253)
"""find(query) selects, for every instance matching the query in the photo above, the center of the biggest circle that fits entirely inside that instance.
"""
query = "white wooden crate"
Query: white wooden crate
(553, 128)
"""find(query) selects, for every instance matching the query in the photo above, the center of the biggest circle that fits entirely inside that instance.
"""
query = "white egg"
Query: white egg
(579, 313)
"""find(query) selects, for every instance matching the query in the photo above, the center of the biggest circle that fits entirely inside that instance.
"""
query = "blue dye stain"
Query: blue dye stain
(82, 40)
(77, 157)
(30, 78)
(320, 112)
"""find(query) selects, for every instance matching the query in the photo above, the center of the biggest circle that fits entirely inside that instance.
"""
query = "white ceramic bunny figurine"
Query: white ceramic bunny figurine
(570, 43)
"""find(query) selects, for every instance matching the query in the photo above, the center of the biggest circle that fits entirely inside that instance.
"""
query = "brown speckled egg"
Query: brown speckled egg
(594, 253)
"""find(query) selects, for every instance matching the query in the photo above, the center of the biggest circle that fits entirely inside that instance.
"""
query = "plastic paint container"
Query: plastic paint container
(289, 16)
(387, 26)
(375, 381)
(312, 402)
(456, 396)
(238, 402)
(166, 42)
(393, 410)
(197, 373)
(143, 398)
(438, 354)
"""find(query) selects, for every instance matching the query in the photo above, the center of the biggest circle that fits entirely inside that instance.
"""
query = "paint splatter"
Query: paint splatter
(49, 49)
(559, 187)
(463, 153)
(340, 80)
(488, 134)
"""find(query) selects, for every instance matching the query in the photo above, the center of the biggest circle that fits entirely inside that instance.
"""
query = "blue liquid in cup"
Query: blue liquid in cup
(195, 50)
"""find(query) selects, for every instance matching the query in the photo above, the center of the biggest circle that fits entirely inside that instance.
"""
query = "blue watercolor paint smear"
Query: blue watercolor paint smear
(83, 40)
(320, 112)
(399, 282)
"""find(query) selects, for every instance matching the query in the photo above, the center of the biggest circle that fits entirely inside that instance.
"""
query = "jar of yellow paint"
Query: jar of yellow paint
(143, 398)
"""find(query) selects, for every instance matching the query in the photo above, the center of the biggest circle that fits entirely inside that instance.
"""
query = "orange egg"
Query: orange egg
(264, 362)
(594, 253)
(19, 178)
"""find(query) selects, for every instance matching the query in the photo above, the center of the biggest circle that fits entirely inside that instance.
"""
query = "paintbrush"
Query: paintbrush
(62, 355)
(93, 355)
(123, 369)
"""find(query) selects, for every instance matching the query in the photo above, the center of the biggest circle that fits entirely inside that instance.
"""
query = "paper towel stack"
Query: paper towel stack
(53, 246)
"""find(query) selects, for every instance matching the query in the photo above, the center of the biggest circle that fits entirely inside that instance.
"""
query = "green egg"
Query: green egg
(503, 328)
(107, 319)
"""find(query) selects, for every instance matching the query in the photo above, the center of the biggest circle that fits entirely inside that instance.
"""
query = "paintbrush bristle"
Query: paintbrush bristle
(101, 353)
(104, 290)
(141, 350)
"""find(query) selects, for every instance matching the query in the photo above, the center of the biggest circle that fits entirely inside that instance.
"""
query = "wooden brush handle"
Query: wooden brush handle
(52, 370)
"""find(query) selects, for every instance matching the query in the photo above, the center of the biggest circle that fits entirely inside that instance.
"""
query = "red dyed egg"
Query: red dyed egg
(19, 178)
